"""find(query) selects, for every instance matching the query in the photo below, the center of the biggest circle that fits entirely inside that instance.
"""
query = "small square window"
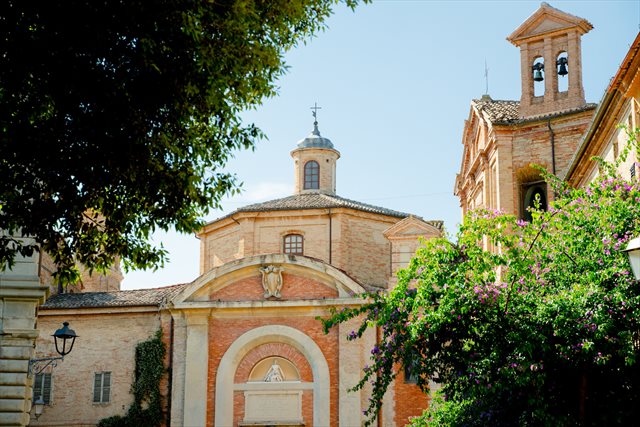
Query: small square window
(293, 244)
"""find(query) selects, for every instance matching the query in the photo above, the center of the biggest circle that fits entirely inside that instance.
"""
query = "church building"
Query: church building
(244, 345)
(502, 139)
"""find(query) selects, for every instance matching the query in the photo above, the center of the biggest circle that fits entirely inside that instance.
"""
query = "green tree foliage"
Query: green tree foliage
(544, 331)
(146, 409)
(117, 118)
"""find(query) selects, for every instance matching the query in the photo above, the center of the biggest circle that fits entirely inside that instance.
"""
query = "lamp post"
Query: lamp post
(633, 252)
(64, 339)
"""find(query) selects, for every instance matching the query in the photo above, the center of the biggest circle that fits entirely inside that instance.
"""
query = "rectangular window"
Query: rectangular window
(102, 387)
(42, 388)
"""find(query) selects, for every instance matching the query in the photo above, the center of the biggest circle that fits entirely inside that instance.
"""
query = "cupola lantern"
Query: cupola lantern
(315, 162)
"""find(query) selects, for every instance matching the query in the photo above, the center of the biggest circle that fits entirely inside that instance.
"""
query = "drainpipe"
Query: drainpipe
(330, 236)
(552, 137)
(553, 147)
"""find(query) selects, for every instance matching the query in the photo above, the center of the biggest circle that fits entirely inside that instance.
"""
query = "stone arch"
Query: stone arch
(278, 349)
(310, 267)
(531, 183)
(262, 335)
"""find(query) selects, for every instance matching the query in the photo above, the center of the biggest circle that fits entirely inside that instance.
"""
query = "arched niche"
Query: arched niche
(224, 388)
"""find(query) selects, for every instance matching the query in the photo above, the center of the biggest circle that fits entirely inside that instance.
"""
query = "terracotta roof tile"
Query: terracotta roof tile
(130, 298)
(315, 201)
(498, 111)
(504, 112)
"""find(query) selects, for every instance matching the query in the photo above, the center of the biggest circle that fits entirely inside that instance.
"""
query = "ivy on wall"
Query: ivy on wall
(146, 409)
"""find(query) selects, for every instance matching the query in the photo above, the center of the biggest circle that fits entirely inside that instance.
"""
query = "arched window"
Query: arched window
(311, 175)
(293, 244)
(562, 69)
(538, 76)
(531, 192)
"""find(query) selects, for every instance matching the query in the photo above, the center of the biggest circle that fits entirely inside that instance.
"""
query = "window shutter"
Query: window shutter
(97, 387)
(106, 387)
(37, 387)
(46, 389)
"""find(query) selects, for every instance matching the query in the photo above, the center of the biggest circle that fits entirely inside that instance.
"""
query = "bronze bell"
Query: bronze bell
(537, 76)
(537, 72)
(562, 70)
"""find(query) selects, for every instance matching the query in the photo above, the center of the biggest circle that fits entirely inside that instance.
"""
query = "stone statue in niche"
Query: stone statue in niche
(275, 374)
(272, 280)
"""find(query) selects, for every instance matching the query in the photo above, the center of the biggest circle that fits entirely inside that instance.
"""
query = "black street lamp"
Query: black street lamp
(63, 335)
(64, 338)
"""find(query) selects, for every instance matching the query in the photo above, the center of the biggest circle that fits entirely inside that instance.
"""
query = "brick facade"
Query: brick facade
(229, 320)
(227, 330)
(106, 343)
(502, 140)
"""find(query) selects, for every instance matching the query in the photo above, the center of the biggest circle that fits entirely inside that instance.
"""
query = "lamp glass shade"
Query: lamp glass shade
(38, 407)
(633, 251)
(64, 337)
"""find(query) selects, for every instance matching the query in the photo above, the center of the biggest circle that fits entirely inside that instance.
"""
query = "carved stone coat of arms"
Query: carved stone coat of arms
(272, 280)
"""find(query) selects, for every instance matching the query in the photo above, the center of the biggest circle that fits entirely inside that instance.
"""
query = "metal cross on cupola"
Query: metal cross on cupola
(315, 109)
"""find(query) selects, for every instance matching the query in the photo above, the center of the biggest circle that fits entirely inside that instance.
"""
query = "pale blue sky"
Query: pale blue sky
(394, 80)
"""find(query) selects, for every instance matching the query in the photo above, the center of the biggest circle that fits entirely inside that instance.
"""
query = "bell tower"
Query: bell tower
(315, 162)
(550, 61)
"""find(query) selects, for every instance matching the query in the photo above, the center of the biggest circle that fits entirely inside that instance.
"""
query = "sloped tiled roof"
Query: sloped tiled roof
(498, 111)
(439, 224)
(315, 201)
(130, 298)
(504, 112)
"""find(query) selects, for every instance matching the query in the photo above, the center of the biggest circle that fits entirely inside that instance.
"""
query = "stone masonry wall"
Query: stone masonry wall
(20, 294)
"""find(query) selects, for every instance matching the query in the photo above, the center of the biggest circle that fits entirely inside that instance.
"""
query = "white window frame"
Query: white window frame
(291, 243)
(102, 388)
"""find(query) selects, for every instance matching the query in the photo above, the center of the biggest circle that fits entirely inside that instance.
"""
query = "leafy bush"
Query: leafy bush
(543, 330)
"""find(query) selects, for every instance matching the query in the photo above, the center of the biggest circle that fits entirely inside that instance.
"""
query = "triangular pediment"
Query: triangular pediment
(548, 20)
(411, 227)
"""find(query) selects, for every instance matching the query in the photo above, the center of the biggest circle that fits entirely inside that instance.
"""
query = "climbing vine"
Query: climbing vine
(146, 409)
